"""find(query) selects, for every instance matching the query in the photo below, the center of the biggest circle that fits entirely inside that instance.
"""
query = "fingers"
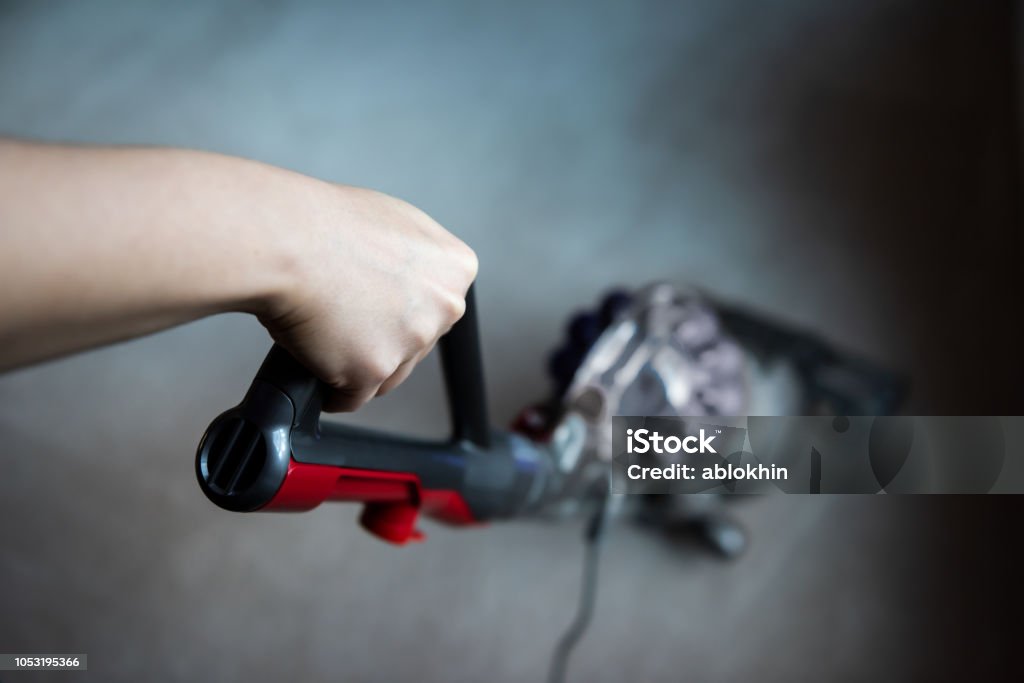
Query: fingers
(351, 389)
(406, 368)
(348, 400)
(403, 371)
(349, 393)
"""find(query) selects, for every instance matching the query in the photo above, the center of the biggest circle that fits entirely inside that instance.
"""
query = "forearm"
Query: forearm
(103, 244)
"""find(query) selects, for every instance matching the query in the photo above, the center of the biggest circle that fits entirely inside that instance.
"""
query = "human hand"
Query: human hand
(374, 283)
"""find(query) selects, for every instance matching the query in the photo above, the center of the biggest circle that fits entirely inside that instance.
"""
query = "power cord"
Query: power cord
(592, 539)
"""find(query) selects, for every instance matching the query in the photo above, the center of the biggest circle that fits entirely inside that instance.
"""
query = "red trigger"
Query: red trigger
(393, 522)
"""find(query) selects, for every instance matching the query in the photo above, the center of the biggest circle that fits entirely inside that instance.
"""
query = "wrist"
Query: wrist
(265, 221)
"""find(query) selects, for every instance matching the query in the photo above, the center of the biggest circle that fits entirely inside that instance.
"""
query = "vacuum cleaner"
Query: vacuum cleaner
(657, 351)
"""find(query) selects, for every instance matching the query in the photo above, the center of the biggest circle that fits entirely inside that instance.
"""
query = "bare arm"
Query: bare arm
(103, 244)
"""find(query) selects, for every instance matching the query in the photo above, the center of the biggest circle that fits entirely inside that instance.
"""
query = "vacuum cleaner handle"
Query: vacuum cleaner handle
(271, 452)
(461, 366)
(464, 378)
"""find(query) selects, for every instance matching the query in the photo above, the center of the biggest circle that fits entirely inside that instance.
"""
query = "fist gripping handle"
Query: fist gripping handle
(271, 452)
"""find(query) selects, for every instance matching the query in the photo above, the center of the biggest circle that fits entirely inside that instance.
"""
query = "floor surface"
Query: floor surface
(764, 154)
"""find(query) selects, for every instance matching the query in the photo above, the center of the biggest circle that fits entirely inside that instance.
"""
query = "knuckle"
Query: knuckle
(386, 388)
(422, 335)
(366, 373)
(456, 308)
(378, 369)
(469, 261)
(337, 378)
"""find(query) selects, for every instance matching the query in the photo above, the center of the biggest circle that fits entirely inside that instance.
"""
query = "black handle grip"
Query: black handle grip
(460, 363)
(464, 378)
